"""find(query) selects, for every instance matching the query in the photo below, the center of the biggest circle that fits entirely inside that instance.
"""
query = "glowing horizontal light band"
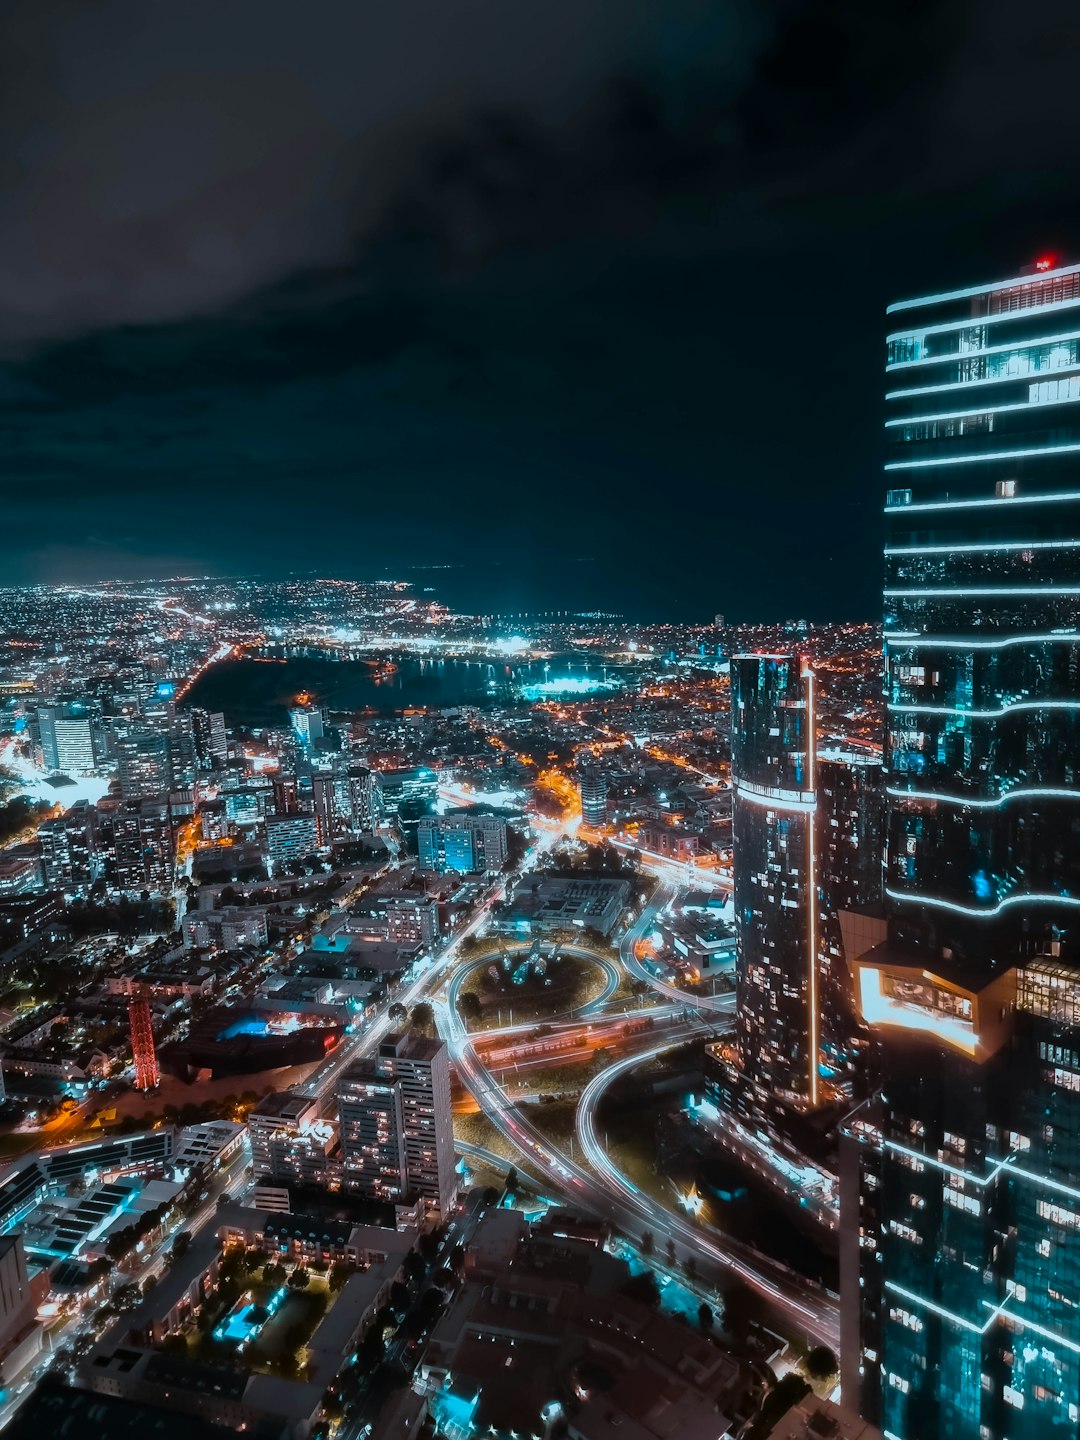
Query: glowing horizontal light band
(1063, 637)
(1058, 373)
(938, 591)
(1017, 282)
(986, 455)
(1004, 348)
(1056, 497)
(1026, 1324)
(982, 1181)
(804, 800)
(937, 1309)
(1022, 792)
(979, 410)
(983, 714)
(976, 546)
(946, 327)
(983, 912)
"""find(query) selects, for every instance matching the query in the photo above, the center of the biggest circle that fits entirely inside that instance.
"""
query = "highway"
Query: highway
(810, 1307)
(605, 1191)
(724, 1004)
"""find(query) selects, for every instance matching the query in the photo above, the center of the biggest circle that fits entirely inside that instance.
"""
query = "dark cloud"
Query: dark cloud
(167, 159)
(349, 288)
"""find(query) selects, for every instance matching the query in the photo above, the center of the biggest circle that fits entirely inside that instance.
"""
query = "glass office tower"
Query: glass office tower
(775, 900)
(968, 1210)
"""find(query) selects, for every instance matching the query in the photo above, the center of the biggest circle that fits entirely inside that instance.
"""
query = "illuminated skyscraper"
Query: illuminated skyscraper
(593, 788)
(962, 1260)
(775, 899)
(142, 1041)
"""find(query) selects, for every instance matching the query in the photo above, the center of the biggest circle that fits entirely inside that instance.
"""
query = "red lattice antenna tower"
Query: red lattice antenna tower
(142, 1040)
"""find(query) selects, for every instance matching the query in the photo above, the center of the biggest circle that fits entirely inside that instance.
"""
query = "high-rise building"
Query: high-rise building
(324, 796)
(142, 1041)
(775, 889)
(145, 763)
(290, 837)
(360, 790)
(467, 844)
(69, 858)
(593, 788)
(961, 1199)
(68, 738)
(144, 845)
(372, 1127)
(308, 726)
(289, 1140)
(396, 1114)
(408, 793)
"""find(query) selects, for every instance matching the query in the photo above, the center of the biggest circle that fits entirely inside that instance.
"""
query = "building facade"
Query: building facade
(965, 1261)
(775, 893)
(396, 1124)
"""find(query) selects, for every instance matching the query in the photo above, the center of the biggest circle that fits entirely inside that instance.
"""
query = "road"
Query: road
(605, 1191)
(810, 1307)
(612, 980)
(723, 1004)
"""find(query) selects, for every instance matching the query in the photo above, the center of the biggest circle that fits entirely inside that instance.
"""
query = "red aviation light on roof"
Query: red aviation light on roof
(1044, 262)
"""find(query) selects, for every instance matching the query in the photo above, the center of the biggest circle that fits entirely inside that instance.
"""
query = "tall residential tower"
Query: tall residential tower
(772, 768)
(962, 1266)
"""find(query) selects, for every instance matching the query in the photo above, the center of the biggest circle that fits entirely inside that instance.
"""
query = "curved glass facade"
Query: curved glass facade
(969, 1237)
(772, 765)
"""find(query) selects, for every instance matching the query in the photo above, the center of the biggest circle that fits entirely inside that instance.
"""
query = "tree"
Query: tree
(821, 1363)
(469, 1007)
(299, 1279)
(644, 1289)
(690, 1268)
(512, 1180)
(491, 1196)
(423, 1018)
(740, 1311)
(705, 1317)
(672, 1255)
(786, 1393)
(338, 1275)
(396, 1012)
(456, 1258)
(648, 1244)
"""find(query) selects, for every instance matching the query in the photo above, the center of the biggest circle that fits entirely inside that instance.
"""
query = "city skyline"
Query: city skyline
(539, 721)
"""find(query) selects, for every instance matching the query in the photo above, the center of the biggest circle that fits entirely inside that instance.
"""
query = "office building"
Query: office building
(467, 844)
(145, 763)
(961, 1188)
(406, 794)
(398, 1111)
(593, 788)
(850, 846)
(68, 740)
(144, 845)
(290, 837)
(775, 890)
(308, 724)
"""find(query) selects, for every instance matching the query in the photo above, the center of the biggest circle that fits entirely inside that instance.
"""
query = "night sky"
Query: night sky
(583, 299)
